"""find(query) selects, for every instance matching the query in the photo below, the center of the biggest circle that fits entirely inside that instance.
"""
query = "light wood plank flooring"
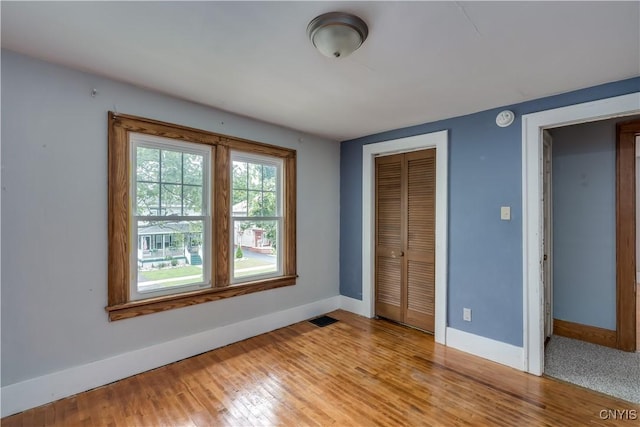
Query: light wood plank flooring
(356, 372)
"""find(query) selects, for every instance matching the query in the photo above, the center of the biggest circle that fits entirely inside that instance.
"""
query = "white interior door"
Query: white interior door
(547, 242)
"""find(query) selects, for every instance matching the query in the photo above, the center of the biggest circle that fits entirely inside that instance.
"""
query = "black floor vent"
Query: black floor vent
(323, 321)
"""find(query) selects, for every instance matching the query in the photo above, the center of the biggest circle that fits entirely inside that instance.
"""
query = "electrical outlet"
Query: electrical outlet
(466, 314)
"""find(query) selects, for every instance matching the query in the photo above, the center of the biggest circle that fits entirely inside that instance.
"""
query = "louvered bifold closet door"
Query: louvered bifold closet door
(420, 239)
(389, 240)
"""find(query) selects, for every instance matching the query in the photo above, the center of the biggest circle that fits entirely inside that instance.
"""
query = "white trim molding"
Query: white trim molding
(48, 388)
(353, 305)
(496, 351)
(532, 126)
(439, 141)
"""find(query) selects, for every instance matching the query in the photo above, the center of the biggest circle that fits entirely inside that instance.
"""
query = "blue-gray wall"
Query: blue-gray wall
(485, 254)
(584, 223)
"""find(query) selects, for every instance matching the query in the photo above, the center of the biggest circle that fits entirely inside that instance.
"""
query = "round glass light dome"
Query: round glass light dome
(337, 34)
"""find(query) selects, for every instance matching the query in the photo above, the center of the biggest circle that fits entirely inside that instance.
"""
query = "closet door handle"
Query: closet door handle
(395, 255)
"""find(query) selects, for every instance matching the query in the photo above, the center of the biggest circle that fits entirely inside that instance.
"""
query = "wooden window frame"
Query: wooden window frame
(119, 305)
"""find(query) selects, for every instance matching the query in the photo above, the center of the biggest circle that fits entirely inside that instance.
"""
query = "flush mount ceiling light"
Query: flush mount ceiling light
(337, 34)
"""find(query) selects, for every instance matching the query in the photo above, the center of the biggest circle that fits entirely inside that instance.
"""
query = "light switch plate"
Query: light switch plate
(505, 213)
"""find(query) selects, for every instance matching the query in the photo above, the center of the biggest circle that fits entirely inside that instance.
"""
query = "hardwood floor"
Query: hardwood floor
(357, 371)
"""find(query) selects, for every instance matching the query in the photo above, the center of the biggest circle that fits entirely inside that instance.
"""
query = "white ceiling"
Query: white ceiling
(423, 61)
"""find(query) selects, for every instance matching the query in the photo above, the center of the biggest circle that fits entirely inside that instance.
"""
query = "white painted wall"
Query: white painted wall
(54, 220)
(584, 223)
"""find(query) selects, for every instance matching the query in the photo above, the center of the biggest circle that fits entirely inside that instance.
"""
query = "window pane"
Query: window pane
(240, 175)
(192, 200)
(255, 248)
(239, 207)
(269, 201)
(170, 254)
(255, 203)
(147, 164)
(255, 176)
(269, 178)
(171, 199)
(147, 198)
(171, 166)
(193, 164)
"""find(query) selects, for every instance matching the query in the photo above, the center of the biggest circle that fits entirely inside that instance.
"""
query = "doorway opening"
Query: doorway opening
(590, 258)
(533, 212)
(580, 264)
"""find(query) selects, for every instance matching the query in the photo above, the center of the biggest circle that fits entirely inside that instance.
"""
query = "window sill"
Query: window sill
(169, 302)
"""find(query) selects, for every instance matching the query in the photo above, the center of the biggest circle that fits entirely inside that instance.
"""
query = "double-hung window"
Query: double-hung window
(171, 216)
(195, 216)
(256, 216)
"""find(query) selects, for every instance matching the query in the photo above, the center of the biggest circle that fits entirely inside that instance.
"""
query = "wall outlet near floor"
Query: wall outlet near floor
(466, 314)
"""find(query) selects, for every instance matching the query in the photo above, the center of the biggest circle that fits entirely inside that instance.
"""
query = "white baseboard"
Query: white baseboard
(48, 388)
(496, 351)
(486, 348)
(353, 305)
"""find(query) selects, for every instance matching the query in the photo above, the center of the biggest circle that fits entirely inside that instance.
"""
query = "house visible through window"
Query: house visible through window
(256, 216)
(171, 216)
(195, 216)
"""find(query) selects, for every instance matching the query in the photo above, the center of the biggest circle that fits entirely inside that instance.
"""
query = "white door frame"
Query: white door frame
(439, 141)
(547, 205)
(532, 126)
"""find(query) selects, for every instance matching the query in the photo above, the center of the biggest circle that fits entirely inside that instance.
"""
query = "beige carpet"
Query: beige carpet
(604, 369)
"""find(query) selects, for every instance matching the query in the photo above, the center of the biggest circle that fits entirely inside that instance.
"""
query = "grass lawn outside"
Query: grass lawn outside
(244, 267)
(242, 263)
(269, 269)
(175, 276)
(169, 284)
(169, 273)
